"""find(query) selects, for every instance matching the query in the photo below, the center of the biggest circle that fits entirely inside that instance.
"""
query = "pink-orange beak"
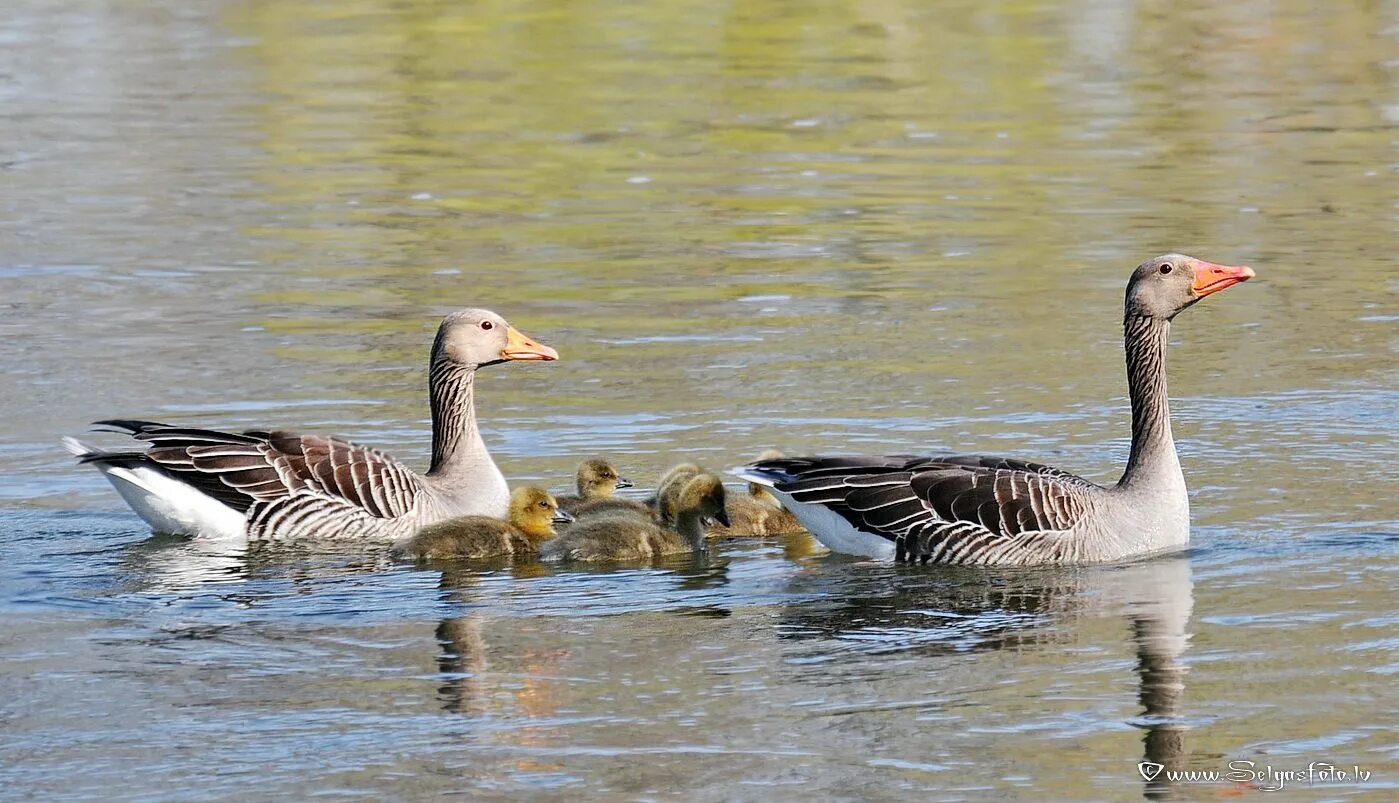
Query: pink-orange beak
(1211, 278)
(518, 346)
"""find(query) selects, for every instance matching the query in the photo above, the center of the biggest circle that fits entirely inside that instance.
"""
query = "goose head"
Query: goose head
(598, 478)
(471, 338)
(534, 512)
(1163, 286)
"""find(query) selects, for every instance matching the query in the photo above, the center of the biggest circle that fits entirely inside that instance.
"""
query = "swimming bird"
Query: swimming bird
(276, 485)
(533, 514)
(631, 537)
(613, 504)
(757, 512)
(989, 510)
(595, 479)
(668, 490)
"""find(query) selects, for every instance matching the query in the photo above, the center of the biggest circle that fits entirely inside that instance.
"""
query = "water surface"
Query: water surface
(881, 226)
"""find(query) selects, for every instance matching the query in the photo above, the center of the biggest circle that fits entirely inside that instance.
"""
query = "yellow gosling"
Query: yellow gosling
(754, 514)
(626, 536)
(533, 514)
(669, 488)
(595, 479)
(758, 513)
(611, 506)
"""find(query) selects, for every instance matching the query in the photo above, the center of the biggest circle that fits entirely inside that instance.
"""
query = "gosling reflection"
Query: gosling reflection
(519, 681)
(463, 664)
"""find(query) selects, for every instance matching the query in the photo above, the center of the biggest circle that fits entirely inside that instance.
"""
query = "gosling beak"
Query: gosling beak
(562, 516)
(723, 517)
(520, 347)
(623, 482)
(1211, 278)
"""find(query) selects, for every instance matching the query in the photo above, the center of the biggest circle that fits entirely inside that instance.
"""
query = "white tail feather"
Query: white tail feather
(165, 503)
(748, 473)
(829, 527)
(76, 447)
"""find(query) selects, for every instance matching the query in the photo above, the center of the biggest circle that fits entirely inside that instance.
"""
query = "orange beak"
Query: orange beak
(1211, 278)
(520, 347)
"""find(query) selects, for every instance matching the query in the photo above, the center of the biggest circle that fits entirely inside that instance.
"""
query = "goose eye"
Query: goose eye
(1166, 268)
(487, 325)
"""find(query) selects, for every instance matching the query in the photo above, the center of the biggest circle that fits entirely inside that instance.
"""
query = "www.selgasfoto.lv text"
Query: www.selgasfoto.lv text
(1265, 778)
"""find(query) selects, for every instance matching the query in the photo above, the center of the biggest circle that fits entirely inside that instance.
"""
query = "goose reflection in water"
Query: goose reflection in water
(884, 609)
(176, 564)
(1160, 629)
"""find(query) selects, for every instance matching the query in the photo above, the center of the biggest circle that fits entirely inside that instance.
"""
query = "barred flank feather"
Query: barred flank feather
(957, 509)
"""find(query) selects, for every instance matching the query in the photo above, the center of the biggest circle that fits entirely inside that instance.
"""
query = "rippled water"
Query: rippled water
(861, 226)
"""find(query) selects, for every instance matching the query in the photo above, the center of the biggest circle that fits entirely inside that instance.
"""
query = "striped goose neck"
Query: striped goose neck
(1153, 447)
(455, 438)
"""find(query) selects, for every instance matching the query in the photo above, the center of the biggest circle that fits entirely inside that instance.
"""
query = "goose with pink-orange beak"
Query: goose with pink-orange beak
(972, 509)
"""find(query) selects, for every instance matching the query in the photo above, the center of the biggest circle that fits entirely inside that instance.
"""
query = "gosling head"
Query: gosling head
(669, 488)
(677, 472)
(535, 512)
(471, 338)
(1163, 286)
(703, 496)
(598, 478)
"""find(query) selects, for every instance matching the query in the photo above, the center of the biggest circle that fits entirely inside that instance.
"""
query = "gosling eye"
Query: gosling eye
(487, 325)
(1166, 268)
(544, 505)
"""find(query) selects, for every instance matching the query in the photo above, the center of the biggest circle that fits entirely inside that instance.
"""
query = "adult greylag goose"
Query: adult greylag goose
(624, 536)
(1000, 511)
(595, 479)
(282, 485)
(533, 514)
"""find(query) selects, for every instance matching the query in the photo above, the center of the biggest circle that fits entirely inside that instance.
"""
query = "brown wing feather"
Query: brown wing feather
(336, 467)
(244, 469)
(960, 509)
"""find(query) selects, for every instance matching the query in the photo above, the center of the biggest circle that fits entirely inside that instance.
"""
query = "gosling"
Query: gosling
(595, 479)
(669, 488)
(758, 512)
(533, 514)
(633, 537)
(612, 505)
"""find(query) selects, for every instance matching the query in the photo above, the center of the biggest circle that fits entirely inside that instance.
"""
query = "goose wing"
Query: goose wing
(956, 509)
(248, 468)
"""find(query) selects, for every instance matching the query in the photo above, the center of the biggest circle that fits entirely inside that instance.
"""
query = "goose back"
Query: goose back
(961, 509)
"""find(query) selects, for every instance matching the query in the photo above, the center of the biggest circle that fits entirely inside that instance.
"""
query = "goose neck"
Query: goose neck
(456, 440)
(1153, 457)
